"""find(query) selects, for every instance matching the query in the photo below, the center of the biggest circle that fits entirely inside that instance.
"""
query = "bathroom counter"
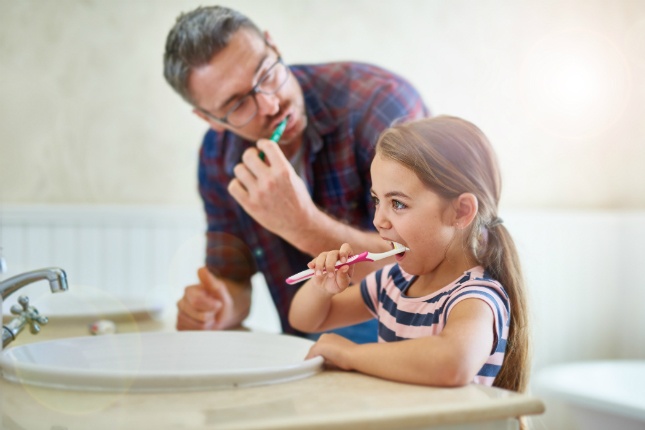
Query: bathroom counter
(330, 399)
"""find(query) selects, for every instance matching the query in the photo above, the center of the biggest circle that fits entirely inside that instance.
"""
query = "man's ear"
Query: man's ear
(465, 210)
(270, 42)
(215, 125)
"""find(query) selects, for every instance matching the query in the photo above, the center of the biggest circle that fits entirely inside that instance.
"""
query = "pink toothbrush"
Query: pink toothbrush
(364, 256)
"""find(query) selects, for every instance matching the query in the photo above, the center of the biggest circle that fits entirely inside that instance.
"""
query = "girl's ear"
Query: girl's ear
(465, 207)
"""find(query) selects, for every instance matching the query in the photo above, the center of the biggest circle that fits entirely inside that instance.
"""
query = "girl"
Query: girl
(452, 309)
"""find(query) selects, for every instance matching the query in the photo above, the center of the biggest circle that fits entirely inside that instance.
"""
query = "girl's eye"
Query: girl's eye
(375, 200)
(398, 205)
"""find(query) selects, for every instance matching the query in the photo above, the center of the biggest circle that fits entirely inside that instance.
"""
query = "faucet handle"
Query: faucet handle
(30, 314)
(24, 303)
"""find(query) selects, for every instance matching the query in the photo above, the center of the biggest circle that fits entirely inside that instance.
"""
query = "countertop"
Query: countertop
(330, 399)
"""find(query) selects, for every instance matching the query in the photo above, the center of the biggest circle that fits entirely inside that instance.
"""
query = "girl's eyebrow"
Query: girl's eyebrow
(392, 194)
(396, 194)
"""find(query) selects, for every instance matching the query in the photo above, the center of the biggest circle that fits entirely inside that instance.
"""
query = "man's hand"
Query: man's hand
(208, 305)
(270, 191)
(273, 194)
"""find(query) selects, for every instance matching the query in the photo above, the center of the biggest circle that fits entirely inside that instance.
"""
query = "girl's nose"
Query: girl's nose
(268, 104)
(380, 220)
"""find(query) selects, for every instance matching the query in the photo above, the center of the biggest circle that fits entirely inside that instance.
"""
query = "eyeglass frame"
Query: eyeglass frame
(252, 93)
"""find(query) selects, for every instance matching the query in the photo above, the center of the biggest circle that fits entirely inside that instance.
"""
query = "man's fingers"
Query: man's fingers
(244, 174)
(191, 318)
(237, 191)
(214, 287)
(198, 298)
(185, 322)
(272, 152)
(252, 160)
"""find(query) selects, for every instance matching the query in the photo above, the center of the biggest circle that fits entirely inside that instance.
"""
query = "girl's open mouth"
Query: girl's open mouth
(396, 245)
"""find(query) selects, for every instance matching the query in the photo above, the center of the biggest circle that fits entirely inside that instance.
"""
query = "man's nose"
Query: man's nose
(268, 104)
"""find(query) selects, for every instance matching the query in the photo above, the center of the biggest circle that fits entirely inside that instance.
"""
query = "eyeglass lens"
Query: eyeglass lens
(246, 108)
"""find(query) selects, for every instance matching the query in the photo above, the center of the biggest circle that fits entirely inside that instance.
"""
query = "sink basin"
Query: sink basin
(158, 362)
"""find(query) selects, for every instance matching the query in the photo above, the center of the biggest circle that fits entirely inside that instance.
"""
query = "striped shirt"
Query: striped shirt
(402, 317)
(347, 106)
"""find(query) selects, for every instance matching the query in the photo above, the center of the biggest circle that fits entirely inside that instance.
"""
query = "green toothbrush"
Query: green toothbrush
(277, 134)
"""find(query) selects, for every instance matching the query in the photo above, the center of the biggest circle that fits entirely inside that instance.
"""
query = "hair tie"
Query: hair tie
(495, 222)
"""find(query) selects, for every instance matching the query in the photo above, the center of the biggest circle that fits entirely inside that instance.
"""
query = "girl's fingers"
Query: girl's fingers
(330, 263)
(345, 252)
(319, 264)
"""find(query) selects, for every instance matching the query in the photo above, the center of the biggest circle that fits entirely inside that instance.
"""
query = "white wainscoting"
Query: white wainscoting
(129, 251)
(125, 250)
(586, 280)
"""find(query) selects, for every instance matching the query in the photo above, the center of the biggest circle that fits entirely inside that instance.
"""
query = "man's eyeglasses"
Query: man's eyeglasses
(245, 109)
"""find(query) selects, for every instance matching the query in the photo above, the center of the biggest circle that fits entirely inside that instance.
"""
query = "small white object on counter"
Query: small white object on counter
(102, 327)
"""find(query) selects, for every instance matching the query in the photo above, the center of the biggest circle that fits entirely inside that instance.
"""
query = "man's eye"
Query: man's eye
(269, 74)
(267, 77)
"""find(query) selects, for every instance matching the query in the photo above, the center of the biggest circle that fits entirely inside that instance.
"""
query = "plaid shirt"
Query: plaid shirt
(347, 105)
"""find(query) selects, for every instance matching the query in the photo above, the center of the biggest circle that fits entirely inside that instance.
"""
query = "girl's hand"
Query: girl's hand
(333, 280)
(335, 349)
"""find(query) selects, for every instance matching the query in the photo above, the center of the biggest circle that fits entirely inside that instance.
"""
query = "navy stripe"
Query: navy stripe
(387, 303)
(438, 297)
(398, 278)
(409, 318)
(489, 370)
(388, 335)
(377, 276)
(417, 320)
(365, 290)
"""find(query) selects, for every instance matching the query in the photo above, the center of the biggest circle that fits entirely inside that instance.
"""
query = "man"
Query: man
(271, 207)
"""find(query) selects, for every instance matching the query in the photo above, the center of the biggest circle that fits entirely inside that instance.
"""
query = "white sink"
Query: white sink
(157, 362)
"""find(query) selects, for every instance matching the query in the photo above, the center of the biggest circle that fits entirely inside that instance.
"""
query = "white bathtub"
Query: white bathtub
(600, 395)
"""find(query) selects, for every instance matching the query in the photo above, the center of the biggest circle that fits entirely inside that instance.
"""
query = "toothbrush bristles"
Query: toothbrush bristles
(399, 246)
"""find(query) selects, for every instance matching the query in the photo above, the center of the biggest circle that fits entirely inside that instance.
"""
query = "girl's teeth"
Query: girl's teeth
(396, 245)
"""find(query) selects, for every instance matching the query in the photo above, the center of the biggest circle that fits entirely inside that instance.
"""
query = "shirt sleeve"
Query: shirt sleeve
(371, 287)
(393, 101)
(227, 254)
(493, 294)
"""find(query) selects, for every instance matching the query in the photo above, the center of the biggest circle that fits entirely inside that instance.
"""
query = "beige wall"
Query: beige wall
(86, 117)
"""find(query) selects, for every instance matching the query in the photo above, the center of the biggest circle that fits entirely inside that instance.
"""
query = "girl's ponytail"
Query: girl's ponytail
(501, 260)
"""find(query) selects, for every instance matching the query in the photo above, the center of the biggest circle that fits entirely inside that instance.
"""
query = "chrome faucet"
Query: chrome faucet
(28, 315)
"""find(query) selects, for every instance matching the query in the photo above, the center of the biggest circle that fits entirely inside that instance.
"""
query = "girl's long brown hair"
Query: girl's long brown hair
(452, 156)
